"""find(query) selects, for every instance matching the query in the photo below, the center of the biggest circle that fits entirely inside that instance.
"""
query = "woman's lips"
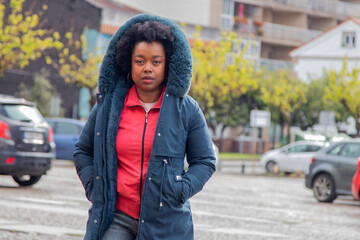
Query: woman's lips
(148, 79)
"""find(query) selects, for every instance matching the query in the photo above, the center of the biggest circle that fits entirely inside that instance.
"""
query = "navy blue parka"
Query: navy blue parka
(181, 129)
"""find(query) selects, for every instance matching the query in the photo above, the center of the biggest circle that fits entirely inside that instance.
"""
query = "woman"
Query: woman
(130, 155)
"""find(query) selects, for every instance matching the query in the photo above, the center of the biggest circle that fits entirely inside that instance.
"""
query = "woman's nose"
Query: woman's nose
(147, 68)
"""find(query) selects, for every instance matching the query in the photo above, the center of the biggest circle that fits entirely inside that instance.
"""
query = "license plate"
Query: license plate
(33, 137)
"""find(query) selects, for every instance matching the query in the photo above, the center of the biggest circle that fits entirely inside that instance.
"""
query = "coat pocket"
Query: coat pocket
(89, 189)
(178, 187)
(175, 176)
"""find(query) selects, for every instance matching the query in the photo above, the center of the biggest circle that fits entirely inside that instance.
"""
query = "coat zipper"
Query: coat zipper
(142, 154)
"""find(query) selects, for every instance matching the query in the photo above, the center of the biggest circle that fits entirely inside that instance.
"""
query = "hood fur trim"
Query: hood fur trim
(180, 64)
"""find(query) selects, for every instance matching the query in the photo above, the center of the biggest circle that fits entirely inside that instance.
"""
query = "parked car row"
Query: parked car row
(294, 157)
(29, 143)
(66, 133)
(26, 141)
(330, 171)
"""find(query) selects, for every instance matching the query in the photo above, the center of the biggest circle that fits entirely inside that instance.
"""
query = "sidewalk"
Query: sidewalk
(63, 163)
(244, 167)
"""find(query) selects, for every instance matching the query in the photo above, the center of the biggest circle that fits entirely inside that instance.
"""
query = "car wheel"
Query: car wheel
(270, 166)
(324, 188)
(26, 180)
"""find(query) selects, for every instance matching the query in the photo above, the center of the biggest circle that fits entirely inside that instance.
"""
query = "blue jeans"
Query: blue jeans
(124, 227)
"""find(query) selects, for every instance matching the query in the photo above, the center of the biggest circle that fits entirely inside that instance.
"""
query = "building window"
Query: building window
(227, 15)
(349, 39)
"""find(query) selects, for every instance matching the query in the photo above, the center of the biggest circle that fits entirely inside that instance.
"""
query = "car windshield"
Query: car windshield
(23, 113)
(67, 128)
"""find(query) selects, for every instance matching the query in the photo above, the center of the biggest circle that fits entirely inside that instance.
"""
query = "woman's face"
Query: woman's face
(148, 67)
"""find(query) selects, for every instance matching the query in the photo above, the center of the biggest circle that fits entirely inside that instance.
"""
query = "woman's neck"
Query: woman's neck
(149, 97)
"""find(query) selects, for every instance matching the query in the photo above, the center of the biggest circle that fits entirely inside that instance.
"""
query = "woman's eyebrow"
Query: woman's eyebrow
(154, 56)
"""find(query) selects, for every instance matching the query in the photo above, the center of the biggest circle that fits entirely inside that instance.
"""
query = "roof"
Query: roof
(110, 4)
(8, 99)
(320, 38)
(108, 29)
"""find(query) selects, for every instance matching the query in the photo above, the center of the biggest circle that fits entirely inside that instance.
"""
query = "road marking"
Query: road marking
(43, 207)
(238, 231)
(28, 228)
(217, 215)
(37, 200)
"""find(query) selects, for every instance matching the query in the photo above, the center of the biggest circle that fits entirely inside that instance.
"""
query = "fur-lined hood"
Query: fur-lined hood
(180, 64)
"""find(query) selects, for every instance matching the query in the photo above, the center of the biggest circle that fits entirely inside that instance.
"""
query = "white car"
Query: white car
(294, 157)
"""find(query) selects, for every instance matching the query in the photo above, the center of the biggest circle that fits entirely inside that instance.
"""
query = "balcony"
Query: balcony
(288, 33)
(274, 31)
(273, 65)
(248, 26)
(339, 8)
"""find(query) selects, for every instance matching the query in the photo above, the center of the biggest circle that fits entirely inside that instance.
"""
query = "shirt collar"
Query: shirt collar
(132, 98)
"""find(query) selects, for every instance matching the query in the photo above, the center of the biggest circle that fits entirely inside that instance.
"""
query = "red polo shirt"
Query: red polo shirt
(133, 146)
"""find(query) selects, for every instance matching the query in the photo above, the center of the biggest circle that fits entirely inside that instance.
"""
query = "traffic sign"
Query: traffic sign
(259, 118)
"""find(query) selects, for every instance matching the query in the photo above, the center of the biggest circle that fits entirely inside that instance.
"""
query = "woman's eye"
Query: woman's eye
(139, 61)
(157, 62)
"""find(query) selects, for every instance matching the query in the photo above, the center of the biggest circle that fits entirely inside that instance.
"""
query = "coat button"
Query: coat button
(95, 221)
(167, 95)
(97, 177)
(98, 133)
(159, 134)
(142, 221)
(100, 96)
(149, 178)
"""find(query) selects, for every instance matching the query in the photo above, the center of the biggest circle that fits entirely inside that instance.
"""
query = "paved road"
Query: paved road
(231, 206)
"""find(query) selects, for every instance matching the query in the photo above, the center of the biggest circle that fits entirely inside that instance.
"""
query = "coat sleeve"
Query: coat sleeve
(200, 156)
(84, 154)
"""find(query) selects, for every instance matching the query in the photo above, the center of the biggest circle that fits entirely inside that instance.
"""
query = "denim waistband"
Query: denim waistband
(121, 213)
(131, 222)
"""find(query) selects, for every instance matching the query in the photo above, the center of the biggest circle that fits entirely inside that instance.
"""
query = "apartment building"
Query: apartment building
(188, 13)
(282, 25)
(277, 26)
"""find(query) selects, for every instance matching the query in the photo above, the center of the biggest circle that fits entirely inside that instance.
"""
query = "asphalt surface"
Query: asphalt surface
(234, 204)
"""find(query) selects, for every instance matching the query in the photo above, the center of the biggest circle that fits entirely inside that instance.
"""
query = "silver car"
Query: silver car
(294, 157)
(332, 169)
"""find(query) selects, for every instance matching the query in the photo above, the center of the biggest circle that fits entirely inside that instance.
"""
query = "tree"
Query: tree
(21, 39)
(344, 88)
(281, 90)
(221, 76)
(41, 92)
(308, 114)
(74, 70)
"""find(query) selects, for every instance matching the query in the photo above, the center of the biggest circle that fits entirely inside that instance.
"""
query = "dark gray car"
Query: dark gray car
(331, 170)
(26, 142)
